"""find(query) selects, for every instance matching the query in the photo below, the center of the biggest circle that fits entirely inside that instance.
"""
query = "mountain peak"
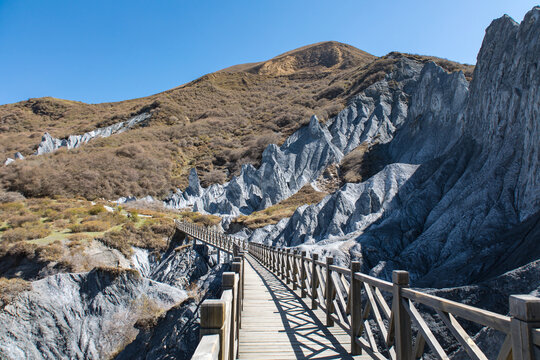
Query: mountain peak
(322, 56)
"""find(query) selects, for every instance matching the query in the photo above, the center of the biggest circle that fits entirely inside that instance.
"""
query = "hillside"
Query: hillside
(215, 123)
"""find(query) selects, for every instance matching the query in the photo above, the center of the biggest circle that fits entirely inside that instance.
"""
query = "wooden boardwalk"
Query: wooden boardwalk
(278, 324)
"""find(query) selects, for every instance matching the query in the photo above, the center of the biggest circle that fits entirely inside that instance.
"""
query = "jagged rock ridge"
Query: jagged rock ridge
(49, 144)
(375, 114)
(477, 180)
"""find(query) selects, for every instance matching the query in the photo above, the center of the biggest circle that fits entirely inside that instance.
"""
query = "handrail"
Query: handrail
(217, 239)
(342, 296)
(221, 319)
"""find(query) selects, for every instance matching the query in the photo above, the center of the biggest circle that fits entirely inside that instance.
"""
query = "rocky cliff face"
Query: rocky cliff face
(475, 179)
(88, 315)
(94, 315)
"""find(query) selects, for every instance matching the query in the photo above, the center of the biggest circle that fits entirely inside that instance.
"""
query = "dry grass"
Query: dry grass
(115, 272)
(10, 288)
(147, 312)
(90, 226)
(283, 209)
(61, 230)
(152, 235)
(362, 163)
(200, 219)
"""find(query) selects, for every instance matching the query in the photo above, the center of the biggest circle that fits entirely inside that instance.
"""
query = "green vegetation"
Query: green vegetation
(62, 230)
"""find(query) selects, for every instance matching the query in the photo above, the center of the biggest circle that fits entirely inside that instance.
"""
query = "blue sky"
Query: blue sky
(102, 50)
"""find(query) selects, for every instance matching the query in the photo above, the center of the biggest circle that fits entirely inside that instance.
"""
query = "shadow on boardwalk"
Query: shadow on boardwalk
(278, 324)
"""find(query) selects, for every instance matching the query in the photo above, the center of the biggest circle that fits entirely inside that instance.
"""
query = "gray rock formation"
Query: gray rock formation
(349, 210)
(80, 316)
(174, 335)
(469, 199)
(49, 144)
(375, 114)
(17, 156)
(94, 315)
(475, 196)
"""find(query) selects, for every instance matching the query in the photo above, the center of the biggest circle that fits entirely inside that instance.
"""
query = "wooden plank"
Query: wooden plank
(382, 303)
(340, 270)
(278, 324)
(369, 334)
(402, 320)
(341, 307)
(419, 344)
(354, 303)
(374, 354)
(536, 336)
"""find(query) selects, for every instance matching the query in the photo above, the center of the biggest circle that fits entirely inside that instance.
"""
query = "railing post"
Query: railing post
(402, 320)
(303, 274)
(282, 251)
(525, 312)
(356, 308)
(314, 282)
(213, 322)
(242, 277)
(236, 267)
(278, 264)
(229, 282)
(287, 266)
(329, 292)
(294, 275)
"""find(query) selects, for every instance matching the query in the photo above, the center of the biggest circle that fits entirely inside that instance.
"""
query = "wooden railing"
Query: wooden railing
(221, 319)
(216, 239)
(383, 318)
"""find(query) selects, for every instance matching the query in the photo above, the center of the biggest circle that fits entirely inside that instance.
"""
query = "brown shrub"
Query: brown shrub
(152, 235)
(50, 252)
(19, 220)
(26, 233)
(11, 288)
(229, 105)
(96, 209)
(22, 248)
(213, 177)
(201, 219)
(352, 164)
(10, 196)
(363, 162)
(90, 226)
(283, 209)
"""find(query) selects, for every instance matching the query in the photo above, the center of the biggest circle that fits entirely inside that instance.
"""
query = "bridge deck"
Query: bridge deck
(278, 324)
